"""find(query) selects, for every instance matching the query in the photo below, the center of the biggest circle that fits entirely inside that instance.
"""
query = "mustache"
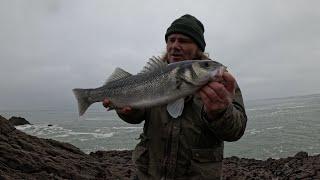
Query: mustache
(176, 53)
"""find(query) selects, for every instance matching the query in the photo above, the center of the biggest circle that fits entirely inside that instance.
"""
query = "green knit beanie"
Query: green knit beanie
(189, 26)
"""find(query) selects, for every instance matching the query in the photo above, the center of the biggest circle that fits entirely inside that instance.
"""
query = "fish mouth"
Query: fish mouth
(216, 75)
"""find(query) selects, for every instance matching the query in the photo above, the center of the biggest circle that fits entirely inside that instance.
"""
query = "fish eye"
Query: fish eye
(206, 64)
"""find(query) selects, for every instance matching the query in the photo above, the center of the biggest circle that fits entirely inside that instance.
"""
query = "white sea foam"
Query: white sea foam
(132, 127)
(278, 148)
(83, 139)
(23, 127)
(61, 135)
(95, 118)
(258, 109)
(43, 130)
(96, 135)
(253, 131)
(281, 111)
(122, 149)
(277, 127)
(295, 107)
(105, 135)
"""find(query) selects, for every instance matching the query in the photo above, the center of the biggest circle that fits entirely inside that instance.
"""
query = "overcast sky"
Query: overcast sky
(48, 47)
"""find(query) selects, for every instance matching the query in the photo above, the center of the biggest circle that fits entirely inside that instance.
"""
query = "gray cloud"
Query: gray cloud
(49, 47)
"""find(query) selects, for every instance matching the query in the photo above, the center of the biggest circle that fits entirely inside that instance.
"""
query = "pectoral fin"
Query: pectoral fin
(175, 108)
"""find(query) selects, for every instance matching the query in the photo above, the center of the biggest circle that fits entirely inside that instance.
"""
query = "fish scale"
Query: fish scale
(157, 84)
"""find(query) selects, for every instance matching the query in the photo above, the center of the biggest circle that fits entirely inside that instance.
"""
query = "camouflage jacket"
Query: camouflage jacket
(188, 147)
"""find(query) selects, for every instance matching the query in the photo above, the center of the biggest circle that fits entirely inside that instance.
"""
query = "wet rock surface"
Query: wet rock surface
(27, 157)
(17, 121)
(301, 166)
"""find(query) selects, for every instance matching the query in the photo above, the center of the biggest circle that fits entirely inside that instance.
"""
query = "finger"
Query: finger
(230, 82)
(228, 77)
(222, 93)
(106, 103)
(205, 99)
(211, 94)
(210, 106)
(125, 110)
(219, 90)
(211, 101)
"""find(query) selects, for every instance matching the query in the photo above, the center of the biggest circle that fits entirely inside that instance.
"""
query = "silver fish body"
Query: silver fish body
(157, 84)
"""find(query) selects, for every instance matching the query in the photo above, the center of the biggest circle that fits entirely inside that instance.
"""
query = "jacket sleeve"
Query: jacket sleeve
(135, 117)
(231, 124)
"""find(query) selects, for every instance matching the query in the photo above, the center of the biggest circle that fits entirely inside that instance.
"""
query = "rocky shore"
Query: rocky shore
(23, 156)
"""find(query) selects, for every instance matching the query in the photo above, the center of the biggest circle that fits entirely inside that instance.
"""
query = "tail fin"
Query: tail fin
(83, 101)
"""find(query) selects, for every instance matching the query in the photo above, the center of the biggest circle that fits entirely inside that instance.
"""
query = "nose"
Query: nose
(176, 44)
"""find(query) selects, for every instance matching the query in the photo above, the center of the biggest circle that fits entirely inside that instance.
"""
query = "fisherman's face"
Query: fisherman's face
(180, 48)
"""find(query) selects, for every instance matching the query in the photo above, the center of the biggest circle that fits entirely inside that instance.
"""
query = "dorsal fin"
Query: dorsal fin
(117, 74)
(154, 63)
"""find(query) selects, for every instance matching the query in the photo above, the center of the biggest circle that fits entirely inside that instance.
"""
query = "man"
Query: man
(190, 146)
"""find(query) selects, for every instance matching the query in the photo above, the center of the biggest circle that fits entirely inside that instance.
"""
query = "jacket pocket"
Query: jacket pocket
(206, 164)
(207, 155)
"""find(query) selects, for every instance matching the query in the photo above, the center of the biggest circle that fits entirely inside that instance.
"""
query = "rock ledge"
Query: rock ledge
(27, 157)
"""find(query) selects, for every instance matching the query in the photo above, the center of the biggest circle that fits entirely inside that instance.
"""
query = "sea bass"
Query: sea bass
(159, 83)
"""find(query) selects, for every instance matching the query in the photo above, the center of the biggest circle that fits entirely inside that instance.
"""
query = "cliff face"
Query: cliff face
(27, 157)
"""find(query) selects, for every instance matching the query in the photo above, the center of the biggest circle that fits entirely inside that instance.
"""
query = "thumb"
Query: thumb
(106, 103)
(230, 82)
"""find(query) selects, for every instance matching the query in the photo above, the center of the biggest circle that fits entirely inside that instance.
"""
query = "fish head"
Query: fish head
(202, 71)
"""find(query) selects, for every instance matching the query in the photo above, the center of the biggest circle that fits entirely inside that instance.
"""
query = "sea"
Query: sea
(276, 128)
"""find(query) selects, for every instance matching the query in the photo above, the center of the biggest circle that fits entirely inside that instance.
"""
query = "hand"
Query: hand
(125, 110)
(217, 96)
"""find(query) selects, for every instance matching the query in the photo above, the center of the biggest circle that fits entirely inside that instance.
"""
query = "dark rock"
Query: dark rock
(5, 127)
(27, 157)
(301, 155)
(17, 121)
(301, 166)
